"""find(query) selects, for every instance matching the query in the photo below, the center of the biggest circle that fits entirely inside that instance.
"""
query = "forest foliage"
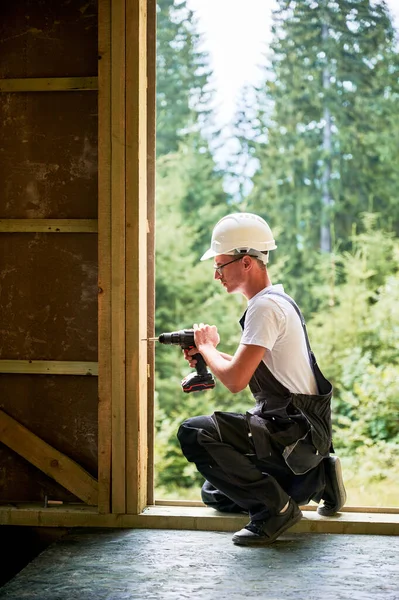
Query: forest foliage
(323, 132)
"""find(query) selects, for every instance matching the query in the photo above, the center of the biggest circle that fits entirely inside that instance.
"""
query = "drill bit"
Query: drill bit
(153, 339)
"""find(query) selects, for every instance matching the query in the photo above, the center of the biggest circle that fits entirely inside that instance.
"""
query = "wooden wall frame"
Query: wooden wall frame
(124, 209)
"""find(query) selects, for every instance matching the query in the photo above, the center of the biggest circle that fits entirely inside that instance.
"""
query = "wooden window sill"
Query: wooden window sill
(195, 517)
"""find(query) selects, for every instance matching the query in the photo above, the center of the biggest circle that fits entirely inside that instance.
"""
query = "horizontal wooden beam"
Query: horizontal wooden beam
(49, 460)
(48, 226)
(199, 518)
(309, 507)
(49, 84)
(48, 367)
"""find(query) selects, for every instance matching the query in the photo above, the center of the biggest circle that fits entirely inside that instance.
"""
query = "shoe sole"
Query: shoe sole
(329, 512)
(266, 541)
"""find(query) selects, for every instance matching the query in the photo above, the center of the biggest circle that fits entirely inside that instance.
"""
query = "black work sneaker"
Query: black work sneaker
(262, 533)
(334, 495)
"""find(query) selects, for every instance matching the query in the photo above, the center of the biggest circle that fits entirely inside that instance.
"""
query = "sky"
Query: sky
(236, 33)
(236, 36)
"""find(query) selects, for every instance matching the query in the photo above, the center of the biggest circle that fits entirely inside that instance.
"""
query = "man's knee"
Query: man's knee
(187, 435)
(184, 433)
(193, 425)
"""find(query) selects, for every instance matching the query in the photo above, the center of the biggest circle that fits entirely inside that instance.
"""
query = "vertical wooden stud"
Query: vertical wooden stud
(136, 254)
(151, 134)
(126, 215)
(104, 256)
(118, 249)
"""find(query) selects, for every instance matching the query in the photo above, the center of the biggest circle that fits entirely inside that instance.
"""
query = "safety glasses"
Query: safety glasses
(219, 268)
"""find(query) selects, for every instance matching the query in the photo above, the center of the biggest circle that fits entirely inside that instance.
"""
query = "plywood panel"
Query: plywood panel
(48, 145)
(22, 482)
(48, 283)
(61, 410)
(51, 38)
(48, 296)
(48, 459)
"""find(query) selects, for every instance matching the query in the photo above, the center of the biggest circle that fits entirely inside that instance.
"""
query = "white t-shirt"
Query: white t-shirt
(272, 322)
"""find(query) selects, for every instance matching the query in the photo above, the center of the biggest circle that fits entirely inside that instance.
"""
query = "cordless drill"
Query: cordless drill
(197, 381)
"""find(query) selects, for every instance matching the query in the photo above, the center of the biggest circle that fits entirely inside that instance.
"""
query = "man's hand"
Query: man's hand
(188, 355)
(235, 371)
(205, 335)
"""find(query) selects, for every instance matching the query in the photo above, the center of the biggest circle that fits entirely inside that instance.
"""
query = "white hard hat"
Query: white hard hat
(241, 233)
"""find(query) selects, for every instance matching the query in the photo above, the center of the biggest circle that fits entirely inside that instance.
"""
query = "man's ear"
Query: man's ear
(247, 260)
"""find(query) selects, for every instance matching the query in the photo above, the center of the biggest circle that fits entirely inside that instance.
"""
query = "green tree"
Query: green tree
(186, 293)
(185, 290)
(184, 120)
(183, 91)
(323, 133)
(355, 340)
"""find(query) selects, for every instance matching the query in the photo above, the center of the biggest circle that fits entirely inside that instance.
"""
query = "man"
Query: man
(276, 456)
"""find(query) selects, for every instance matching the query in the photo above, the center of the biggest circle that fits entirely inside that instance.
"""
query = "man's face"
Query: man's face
(228, 270)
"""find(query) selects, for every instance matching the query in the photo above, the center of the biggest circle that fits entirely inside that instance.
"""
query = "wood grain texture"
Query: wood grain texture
(192, 518)
(48, 367)
(48, 84)
(136, 254)
(48, 225)
(104, 258)
(48, 167)
(49, 460)
(48, 295)
(118, 250)
(48, 39)
(151, 135)
(49, 285)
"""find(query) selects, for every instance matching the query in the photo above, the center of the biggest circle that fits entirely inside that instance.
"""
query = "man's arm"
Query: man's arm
(234, 372)
(226, 356)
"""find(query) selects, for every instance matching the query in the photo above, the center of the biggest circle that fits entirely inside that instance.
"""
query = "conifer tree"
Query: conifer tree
(190, 199)
(183, 114)
(327, 114)
(183, 90)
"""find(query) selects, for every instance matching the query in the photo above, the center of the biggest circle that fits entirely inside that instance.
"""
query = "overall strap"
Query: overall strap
(297, 309)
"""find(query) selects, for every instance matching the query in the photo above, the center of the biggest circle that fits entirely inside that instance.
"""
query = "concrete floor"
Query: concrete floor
(178, 565)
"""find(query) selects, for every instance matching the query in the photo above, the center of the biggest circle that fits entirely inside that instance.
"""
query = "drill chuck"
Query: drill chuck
(183, 338)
